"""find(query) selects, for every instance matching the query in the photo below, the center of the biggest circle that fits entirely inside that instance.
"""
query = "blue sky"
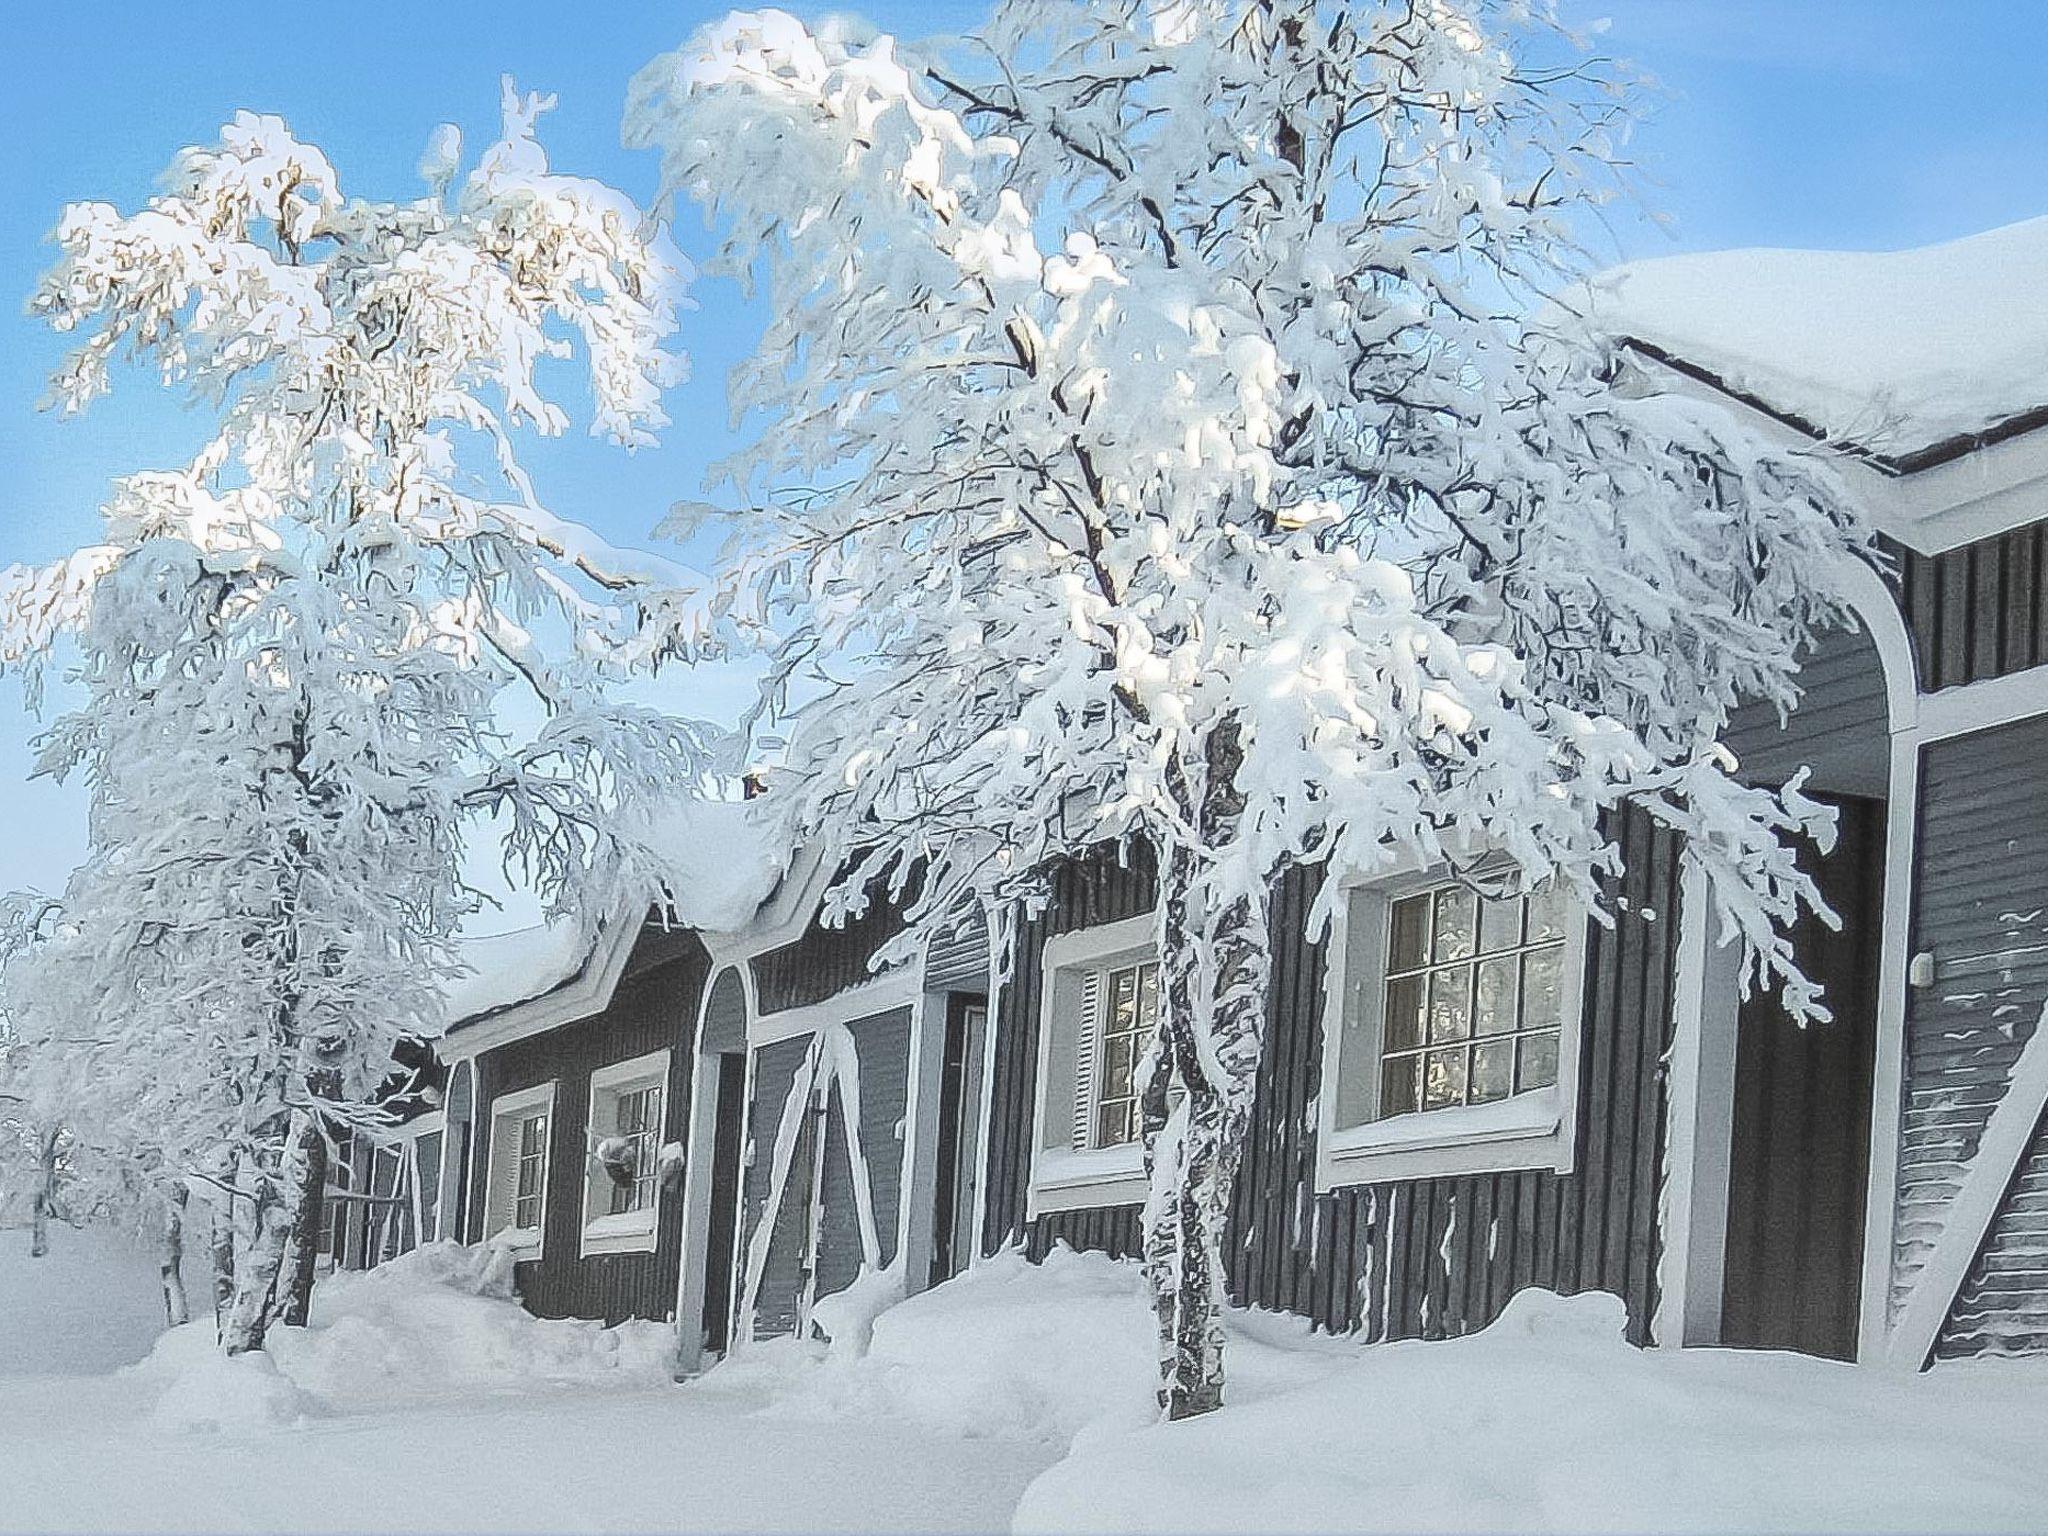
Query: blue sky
(1864, 124)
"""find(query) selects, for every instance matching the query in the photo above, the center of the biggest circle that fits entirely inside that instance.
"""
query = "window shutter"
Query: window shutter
(504, 1186)
(1087, 1028)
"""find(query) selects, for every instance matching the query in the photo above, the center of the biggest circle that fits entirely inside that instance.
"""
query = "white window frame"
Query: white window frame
(1535, 1129)
(1063, 1178)
(507, 1110)
(629, 1231)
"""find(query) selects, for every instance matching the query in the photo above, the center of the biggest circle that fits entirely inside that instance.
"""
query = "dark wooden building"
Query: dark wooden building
(1466, 1089)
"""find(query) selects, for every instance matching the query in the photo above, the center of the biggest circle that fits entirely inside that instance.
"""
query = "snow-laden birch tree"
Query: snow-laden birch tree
(1167, 431)
(298, 651)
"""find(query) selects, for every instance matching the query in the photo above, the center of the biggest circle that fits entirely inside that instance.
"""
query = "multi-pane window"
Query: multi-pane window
(1473, 997)
(635, 1150)
(1129, 1004)
(529, 1187)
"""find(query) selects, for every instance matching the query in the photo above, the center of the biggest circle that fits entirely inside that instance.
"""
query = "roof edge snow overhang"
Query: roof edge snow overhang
(588, 992)
(1958, 490)
(584, 993)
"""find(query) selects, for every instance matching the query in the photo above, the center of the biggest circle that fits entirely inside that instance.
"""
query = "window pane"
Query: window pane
(1493, 1070)
(1116, 1068)
(1539, 1062)
(1456, 910)
(1408, 942)
(1494, 1011)
(1549, 909)
(1123, 1000)
(1543, 988)
(1500, 925)
(1397, 1086)
(1116, 1124)
(1443, 1078)
(1450, 1003)
(1404, 1014)
(1148, 997)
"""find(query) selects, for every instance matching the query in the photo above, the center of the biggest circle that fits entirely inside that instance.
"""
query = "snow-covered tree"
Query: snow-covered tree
(300, 651)
(1168, 428)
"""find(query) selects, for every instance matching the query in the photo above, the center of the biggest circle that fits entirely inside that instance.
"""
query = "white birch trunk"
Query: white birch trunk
(46, 1193)
(1215, 961)
(171, 1263)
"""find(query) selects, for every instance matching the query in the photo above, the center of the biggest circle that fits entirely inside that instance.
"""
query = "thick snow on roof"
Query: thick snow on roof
(722, 857)
(508, 968)
(720, 860)
(1891, 351)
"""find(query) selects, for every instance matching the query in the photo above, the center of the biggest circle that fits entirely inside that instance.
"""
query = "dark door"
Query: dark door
(964, 1016)
(1800, 1148)
(725, 1200)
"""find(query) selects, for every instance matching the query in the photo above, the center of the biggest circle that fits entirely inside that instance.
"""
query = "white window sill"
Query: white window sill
(1526, 1131)
(1067, 1180)
(626, 1232)
(524, 1243)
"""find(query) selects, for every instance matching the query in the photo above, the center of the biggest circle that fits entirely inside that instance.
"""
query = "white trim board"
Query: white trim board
(2006, 1138)
(586, 993)
(1693, 1221)
(899, 987)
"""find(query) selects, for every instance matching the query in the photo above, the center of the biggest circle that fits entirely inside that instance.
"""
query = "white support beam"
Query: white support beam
(1990, 1174)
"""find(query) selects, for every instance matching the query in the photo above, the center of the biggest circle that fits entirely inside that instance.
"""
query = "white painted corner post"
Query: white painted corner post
(1700, 1088)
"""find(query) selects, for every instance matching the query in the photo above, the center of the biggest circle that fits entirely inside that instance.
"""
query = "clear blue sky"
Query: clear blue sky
(1866, 124)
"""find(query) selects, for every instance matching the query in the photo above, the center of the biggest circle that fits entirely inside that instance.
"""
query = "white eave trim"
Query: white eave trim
(1990, 490)
(586, 993)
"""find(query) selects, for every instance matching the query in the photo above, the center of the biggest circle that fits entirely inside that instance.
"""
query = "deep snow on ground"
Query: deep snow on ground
(1548, 1421)
(422, 1399)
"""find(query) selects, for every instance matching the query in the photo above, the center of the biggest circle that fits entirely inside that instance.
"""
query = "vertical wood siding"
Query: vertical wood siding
(780, 1285)
(1979, 610)
(1421, 1258)
(1981, 908)
(825, 960)
(654, 1008)
(882, 1044)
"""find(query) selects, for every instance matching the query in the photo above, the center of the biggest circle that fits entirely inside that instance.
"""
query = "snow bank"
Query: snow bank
(203, 1390)
(1894, 351)
(438, 1323)
(1548, 1421)
(1008, 1349)
(93, 1303)
(722, 858)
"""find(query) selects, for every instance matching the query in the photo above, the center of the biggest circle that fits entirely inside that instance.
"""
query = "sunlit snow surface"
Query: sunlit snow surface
(1893, 351)
(422, 1400)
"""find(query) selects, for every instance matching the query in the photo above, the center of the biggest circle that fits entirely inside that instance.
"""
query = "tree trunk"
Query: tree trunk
(46, 1193)
(305, 1189)
(171, 1264)
(1215, 962)
(223, 1247)
(259, 1251)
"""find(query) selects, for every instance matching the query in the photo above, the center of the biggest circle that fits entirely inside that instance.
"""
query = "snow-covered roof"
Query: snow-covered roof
(721, 860)
(1899, 353)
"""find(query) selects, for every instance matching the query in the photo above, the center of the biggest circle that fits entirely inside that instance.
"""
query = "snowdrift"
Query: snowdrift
(439, 1323)
(1548, 1421)
(1009, 1350)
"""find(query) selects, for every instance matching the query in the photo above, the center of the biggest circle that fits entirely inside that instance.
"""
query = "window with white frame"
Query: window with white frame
(1459, 1019)
(518, 1193)
(622, 1181)
(1099, 1008)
